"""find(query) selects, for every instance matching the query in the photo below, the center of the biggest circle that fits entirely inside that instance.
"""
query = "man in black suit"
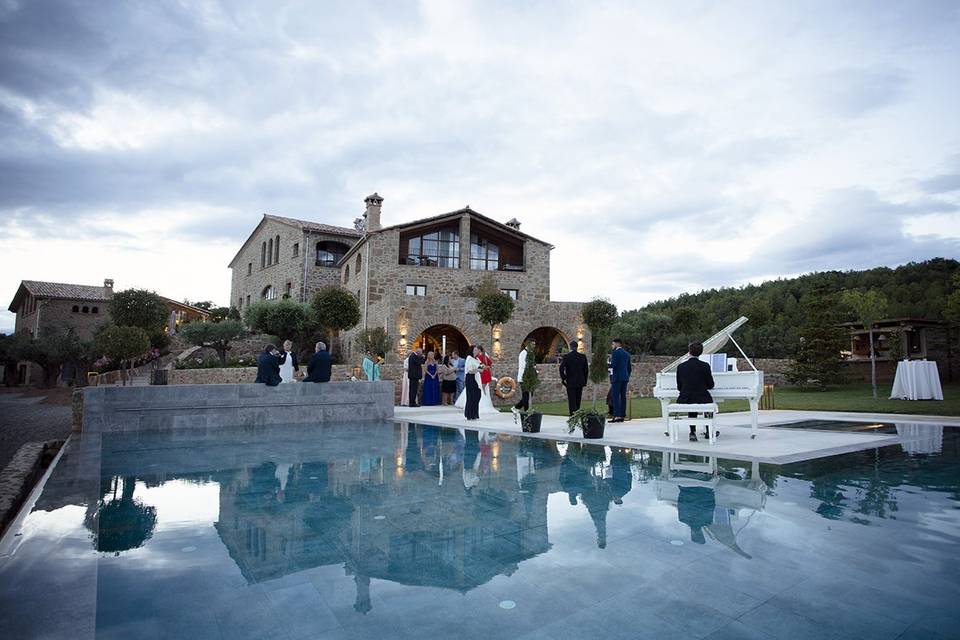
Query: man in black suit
(320, 365)
(415, 374)
(268, 367)
(694, 381)
(573, 375)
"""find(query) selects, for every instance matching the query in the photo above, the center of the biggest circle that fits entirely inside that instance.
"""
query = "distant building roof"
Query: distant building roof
(59, 291)
(183, 306)
(303, 225)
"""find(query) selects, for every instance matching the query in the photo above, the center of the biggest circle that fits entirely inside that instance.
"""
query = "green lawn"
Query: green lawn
(853, 397)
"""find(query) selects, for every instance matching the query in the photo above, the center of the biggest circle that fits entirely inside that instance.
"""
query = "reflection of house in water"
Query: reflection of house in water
(441, 509)
(710, 501)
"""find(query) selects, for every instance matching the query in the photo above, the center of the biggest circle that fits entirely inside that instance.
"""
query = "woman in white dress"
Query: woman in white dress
(405, 385)
(289, 367)
(486, 402)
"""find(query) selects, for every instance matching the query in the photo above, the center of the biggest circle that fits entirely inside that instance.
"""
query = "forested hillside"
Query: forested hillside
(775, 309)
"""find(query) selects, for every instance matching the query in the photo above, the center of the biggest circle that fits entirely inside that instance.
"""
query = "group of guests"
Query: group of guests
(428, 381)
(276, 367)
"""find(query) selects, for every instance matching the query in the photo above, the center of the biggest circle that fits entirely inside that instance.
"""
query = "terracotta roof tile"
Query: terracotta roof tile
(39, 289)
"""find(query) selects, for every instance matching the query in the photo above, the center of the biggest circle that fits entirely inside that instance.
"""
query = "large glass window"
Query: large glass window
(484, 254)
(439, 248)
(330, 253)
(269, 293)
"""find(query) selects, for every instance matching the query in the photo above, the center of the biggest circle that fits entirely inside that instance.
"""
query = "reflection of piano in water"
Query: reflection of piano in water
(728, 385)
(708, 499)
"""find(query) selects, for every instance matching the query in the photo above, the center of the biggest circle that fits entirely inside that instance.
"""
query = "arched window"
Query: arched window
(330, 253)
(346, 273)
(268, 293)
(276, 250)
(95, 310)
(86, 309)
(263, 255)
(270, 252)
(76, 309)
(359, 263)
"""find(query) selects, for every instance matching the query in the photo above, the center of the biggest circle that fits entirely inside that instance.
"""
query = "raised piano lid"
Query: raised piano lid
(714, 343)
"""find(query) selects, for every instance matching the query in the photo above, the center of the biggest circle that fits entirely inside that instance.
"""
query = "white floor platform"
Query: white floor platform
(773, 445)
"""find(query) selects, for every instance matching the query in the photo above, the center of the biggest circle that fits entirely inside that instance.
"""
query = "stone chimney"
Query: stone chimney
(513, 223)
(108, 284)
(372, 214)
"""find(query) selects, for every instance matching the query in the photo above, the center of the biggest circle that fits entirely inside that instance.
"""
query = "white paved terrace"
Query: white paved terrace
(773, 445)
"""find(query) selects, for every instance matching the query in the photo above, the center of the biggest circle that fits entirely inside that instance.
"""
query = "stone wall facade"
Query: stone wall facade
(61, 314)
(294, 271)
(381, 282)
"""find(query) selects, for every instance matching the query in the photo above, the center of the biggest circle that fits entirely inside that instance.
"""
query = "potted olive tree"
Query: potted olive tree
(530, 420)
(589, 421)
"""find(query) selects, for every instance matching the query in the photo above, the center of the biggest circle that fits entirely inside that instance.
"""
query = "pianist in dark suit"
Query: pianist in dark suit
(320, 365)
(694, 382)
(268, 367)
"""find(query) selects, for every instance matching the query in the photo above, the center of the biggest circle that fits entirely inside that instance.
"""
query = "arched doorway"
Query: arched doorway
(432, 339)
(548, 343)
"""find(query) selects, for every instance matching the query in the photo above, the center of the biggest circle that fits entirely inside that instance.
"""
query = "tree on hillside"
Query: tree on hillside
(642, 332)
(12, 349)
(374, 341)
(599, 315)
(122, 344)
(493, 308)
(213, 335)
(139, 308)
(817, 358)
(869, 307)
(283, 318)
(336, 310)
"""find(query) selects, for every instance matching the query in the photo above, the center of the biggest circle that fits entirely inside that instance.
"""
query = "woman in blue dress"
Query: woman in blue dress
(431, 382)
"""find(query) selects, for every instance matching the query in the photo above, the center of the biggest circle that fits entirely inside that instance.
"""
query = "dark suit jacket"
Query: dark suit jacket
(319, 367)
(694, 381)
(620, 363)
(415, 367)
(268, 369)
(574, 369)
(293, 355)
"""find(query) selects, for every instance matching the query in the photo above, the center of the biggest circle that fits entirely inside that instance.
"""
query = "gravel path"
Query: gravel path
(28, 415)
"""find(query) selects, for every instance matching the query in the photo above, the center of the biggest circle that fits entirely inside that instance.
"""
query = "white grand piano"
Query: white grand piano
(728, 385)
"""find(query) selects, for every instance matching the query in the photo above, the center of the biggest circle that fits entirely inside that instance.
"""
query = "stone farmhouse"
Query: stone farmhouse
(40, 306)
(414, 279)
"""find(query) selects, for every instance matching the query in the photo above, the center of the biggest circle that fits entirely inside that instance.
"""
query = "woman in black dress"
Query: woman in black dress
(472, 386)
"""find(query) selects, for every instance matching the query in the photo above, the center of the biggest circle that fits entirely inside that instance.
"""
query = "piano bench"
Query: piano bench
(678, 420)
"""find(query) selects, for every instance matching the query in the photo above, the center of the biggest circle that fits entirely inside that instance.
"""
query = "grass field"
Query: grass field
(853, 397)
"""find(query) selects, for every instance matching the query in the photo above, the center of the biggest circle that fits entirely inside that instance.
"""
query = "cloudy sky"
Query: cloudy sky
(662, 147)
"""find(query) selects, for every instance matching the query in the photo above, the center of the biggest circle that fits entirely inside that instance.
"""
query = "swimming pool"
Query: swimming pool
(390, 530)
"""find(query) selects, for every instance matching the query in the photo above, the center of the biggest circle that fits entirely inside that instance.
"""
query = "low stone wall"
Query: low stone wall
(19, 477)
(641, 384)
(199, 406)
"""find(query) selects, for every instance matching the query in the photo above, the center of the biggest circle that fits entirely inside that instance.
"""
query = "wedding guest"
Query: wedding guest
(471, 369)
(268, 366)
(448, 380)
(486, 373)
(289, 367)
(574, 372)
(320, 366)
(371, 367)
(524, 402)
(415, 374)
(457, 363)
(620, 375)
(431, 381)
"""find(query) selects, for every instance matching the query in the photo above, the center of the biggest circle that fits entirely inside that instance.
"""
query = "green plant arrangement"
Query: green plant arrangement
(589, 421)
(531, 419)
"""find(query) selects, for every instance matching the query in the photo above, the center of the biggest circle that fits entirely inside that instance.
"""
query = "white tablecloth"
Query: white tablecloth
(917, 380)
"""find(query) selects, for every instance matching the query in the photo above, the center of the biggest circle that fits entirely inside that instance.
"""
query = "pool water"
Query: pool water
(403, 530)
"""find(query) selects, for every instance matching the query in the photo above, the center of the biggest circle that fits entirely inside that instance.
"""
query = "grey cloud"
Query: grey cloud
(855, 92)
(945, 183)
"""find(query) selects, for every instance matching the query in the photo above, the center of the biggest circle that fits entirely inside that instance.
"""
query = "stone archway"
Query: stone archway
(549, 342)
(432, 339)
